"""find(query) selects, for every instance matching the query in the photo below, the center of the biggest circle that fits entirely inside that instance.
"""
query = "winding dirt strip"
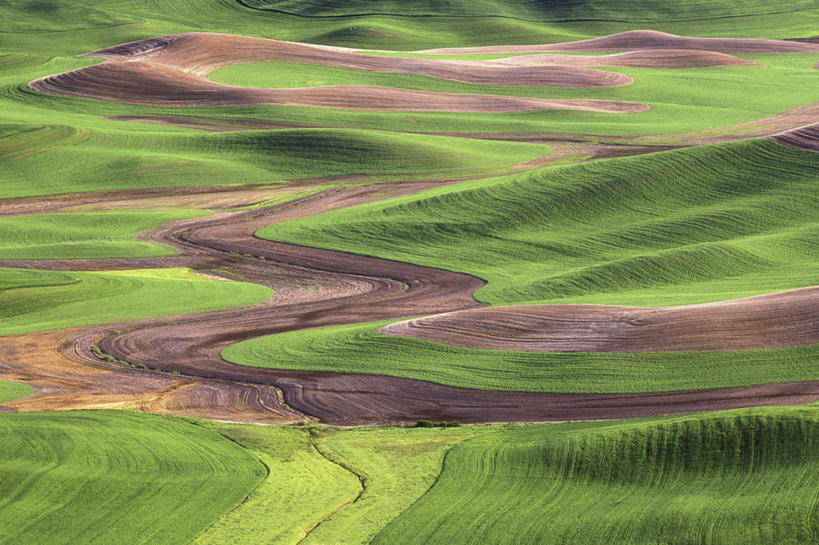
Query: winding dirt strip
(314, 288)
(148, 83)
(650, 58)
(63, 383)
(172, 71)
(635, 40)
(788, 318)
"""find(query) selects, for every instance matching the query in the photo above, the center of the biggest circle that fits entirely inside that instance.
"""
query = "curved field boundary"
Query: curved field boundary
(172, 70)
(739, 477)
(358, 288)
(788, 318)
(806, 138)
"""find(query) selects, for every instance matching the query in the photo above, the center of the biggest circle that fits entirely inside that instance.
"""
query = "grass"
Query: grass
(694, 225)
(360, 348)
(730, 477)
(744, 477)
(104, 161)
(52, 145)
(10, 391)
(682, 100)
(85, 235)
(474, 23)
(704, 224)
(549, 10)
(330, 485)
(302, 488)
(116, 477)
(33, 300)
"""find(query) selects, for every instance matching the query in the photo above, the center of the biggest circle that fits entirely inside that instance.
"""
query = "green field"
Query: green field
(696, 224)
(681, 100)
(548, 10)
(32, 300)
(10, 391)
(612, 232)
(116, 477)
(330, 485)
(85, 235)
(115, 160)
(360, 348)
(742, 478)
(732, 477)
(56, 144)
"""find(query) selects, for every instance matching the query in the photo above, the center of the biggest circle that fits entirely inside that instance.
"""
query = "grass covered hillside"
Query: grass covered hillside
(730, 478)
(85, 235)
(32, 300)
(113, 477)
(546, 10)
(323, 272)
(362, 348)
(695, 225)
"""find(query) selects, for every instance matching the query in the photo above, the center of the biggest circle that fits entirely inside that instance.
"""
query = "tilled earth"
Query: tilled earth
(316, 287)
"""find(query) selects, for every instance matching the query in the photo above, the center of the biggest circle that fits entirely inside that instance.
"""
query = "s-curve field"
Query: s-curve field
(439, 272)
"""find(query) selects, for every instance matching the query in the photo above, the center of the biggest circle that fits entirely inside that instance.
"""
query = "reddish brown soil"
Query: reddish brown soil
(317, 287)
(172, 70)
(148, 83)
(652, 58)
(313, 288)
(788, 318)
(806, 138)
(637, 40)
(64, 381)
(201, 53)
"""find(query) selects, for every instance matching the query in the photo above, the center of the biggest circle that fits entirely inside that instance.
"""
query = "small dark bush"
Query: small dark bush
(435, 424)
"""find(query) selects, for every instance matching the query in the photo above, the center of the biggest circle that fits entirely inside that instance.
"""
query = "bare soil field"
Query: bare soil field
(788, 318)
(806, 138)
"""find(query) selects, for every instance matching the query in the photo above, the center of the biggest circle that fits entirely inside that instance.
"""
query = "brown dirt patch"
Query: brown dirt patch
(200, 53)
(146, 83)
(788, 318)
(804, 138)
(172, 70)
(63, 382)
(652, 58)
